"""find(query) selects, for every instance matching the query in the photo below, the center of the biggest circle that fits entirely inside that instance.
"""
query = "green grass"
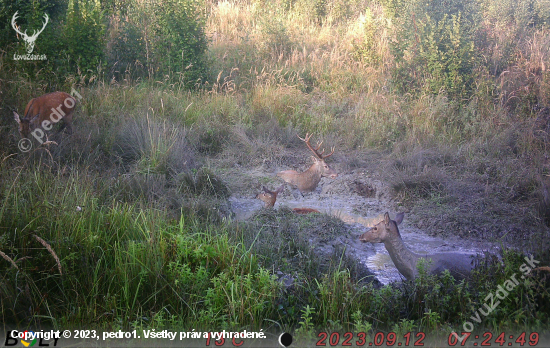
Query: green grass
(124, 265)
(135, 210)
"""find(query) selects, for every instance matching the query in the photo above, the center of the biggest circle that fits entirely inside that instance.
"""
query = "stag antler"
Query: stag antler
(15, 27)
(315, 150)
(35, 34)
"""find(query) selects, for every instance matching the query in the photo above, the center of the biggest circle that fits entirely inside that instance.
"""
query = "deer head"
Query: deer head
(269, 197)
(319, 158)
(25, 125)
(29, 40)
(383, 230)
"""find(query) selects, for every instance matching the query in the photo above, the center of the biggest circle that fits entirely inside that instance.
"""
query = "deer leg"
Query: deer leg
(65, 125)
(61, 127)
(69, 127)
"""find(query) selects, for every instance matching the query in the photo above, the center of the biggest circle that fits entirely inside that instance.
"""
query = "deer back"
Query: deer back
(51, 107)
(308, 180)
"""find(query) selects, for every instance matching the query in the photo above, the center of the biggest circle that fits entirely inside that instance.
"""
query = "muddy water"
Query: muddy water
(361, 213)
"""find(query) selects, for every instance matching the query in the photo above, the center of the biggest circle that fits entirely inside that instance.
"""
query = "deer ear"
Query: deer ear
(399, 218)
(387, 218)
(16, 117)
(35, 118)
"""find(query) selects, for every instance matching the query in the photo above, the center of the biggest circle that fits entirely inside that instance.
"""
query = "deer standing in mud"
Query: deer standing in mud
(405, 261)
(44, 111)
(270, 197)
(308, 180)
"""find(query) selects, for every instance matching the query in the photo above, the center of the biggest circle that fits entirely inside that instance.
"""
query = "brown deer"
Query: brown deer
(42, 112)
(308, 180)
(270, 197)
(386, 232)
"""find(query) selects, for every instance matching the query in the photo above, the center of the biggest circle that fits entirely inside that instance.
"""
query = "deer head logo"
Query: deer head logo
(29, 40)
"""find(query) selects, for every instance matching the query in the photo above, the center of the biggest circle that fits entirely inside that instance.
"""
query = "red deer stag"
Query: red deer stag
(42, 112)
(308, 180)
(270, 197)
(386, 232)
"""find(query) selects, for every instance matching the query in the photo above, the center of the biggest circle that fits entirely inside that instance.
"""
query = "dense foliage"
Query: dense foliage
(158, 39)
(434, 47)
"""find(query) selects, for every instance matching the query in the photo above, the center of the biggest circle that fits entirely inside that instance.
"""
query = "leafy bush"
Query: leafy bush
(127, 49)
(162, 39)
(84, 34)
(275, 41)
(521, 13)
(434, 47)
(182, 44)
(368, 47)
(30, 17)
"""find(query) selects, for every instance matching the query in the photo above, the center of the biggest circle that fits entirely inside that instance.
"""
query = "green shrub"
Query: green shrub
(434, 48)
(84, 35)
(518, 14)
(368, 49)
(161, 39)
(180, 50)
(127, 50)
(275, 41)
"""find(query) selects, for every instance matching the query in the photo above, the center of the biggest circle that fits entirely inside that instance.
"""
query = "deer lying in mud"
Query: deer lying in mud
(270, 197)
(308, 180)
(44, 111)
(386, 232)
